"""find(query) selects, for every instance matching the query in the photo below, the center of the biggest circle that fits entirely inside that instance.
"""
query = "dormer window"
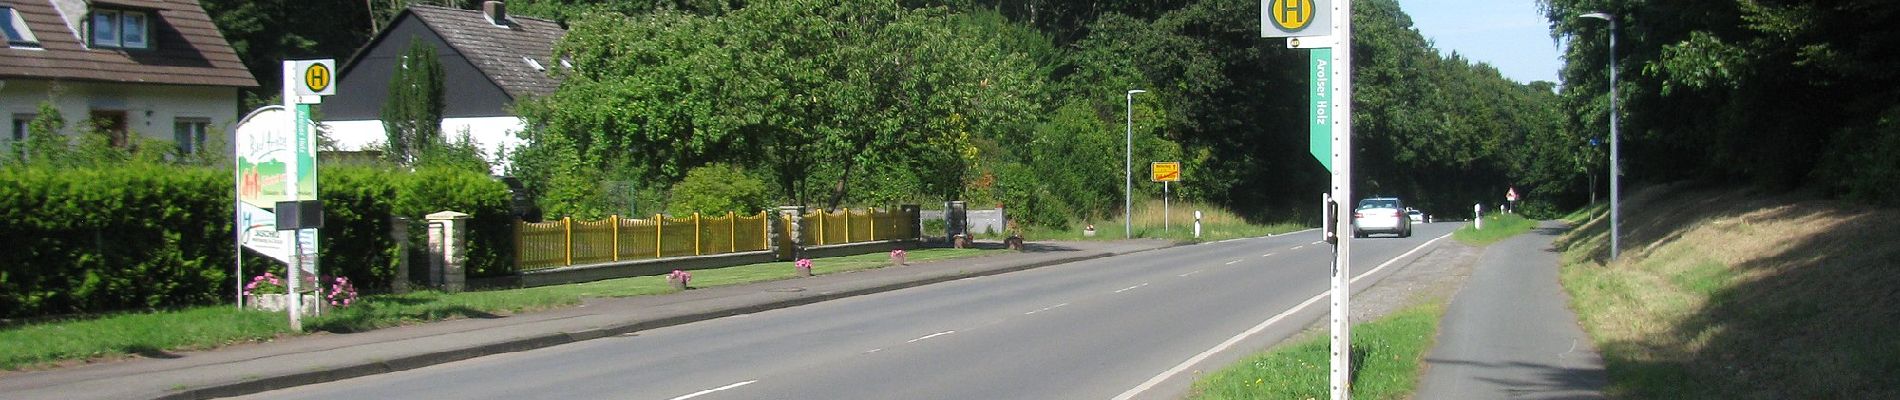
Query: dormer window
(120, 29)
(14, 28)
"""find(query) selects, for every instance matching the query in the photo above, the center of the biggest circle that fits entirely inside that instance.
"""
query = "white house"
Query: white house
(489, 60)
(153, 68)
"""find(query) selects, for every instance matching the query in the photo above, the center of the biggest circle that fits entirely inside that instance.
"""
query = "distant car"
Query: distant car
(1381, 215)
(1417, 217)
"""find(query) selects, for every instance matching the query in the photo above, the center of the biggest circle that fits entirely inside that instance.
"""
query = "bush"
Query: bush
(718, 188)
(130, 236)
(138, 236)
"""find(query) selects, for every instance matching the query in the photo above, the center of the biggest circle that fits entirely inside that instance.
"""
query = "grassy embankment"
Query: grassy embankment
(1176, 224)
(154, 333)
(1723, 293)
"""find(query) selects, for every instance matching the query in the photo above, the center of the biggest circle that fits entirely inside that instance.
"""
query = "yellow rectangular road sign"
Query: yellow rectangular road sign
(1166, 171)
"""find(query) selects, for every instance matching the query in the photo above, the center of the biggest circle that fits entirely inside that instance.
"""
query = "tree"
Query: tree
(412, 115)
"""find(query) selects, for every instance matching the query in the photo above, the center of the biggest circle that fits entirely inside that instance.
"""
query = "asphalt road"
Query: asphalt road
(1107, 328)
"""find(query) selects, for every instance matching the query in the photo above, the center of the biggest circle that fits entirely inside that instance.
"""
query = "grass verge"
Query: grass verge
(1497, 227)
(155, 333)
(1177, 223)
(1724, 293)
(1387, 354)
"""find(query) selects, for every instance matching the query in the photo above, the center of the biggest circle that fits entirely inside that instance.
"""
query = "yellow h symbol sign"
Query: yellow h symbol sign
(1292, 15)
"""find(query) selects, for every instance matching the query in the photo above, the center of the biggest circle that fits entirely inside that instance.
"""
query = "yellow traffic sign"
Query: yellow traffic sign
(317, 77)
(1167, 171)
(1291, 15)
(1296, 18)
(307, 79)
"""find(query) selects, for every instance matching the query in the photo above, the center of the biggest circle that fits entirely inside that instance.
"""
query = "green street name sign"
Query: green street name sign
(1321, 121)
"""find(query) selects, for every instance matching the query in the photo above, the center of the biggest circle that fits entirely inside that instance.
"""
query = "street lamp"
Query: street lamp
(1128, 170)
(1615, 171)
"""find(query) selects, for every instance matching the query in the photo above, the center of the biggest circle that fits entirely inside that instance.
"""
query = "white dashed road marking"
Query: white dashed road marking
(931, 336)
(1131, 288)
(710, 391)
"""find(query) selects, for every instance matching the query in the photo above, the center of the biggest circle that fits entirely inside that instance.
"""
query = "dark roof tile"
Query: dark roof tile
(499, 51)
(188, 49)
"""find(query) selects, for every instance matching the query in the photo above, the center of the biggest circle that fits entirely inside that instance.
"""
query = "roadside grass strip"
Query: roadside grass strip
(1177, 224)
(1497, 227)
(40, 344)
(1387, 354)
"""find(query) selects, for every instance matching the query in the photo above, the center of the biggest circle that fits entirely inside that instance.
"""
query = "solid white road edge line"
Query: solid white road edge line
(1223, 346)
(710, 391)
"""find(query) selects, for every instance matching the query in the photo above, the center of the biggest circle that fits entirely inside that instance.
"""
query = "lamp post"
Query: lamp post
(1615, 171)
(1128, 170)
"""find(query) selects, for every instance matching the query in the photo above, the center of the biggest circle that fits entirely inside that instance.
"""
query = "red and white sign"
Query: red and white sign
(1510, 194)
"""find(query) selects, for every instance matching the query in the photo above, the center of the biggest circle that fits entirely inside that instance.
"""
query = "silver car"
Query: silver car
(1381, 215)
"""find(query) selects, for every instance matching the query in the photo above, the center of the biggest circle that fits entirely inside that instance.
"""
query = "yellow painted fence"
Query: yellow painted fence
(566, 242)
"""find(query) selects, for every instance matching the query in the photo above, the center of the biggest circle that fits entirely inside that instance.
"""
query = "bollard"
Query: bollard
(1197, 224)
(1477, 216)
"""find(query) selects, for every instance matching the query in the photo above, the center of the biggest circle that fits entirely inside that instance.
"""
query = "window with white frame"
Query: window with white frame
(14, 28)
(16, 132)
(120, 29)
(189, 133)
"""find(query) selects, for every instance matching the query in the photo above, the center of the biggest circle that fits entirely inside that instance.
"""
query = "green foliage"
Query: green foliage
(142, 235)
(130, 236)
(412, 114)
(1780, 92)
(717, 189)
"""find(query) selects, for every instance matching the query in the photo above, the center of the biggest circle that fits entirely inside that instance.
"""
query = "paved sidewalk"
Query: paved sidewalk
(323, 357)
(1510, 334)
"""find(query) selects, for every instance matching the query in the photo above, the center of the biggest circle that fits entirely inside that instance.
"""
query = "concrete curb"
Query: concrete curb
(342, 372)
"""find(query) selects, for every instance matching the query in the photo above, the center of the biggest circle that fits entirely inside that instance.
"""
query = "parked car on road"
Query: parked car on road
(1381, 215)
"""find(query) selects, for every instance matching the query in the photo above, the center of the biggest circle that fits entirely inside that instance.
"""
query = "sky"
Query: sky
(1511, 35)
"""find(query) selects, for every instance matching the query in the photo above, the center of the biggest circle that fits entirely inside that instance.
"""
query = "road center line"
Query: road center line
(1266, 255)
(1223, 346)
(931, 336)
(1046, 309)
(710, 391)
(1298, 247)
(1131, 288)
(1190, 273)
(1232, 262)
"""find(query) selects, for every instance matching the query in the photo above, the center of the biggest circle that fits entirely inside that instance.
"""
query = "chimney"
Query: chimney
(496, 11)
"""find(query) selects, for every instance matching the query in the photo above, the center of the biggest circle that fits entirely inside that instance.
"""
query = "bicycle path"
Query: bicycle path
(1510, 334)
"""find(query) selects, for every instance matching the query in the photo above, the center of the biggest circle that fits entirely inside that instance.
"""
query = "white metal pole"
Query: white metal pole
(1341, 386)
(1165, 217)
(1616, 172)
(1128, 169)
(292, 285)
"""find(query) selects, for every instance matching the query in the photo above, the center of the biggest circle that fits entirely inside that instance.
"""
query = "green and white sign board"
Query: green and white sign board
(1320, 123)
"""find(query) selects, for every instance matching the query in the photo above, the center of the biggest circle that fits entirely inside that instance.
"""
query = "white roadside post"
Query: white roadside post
(1197, 224)
(1477, 216)
(1326, 25)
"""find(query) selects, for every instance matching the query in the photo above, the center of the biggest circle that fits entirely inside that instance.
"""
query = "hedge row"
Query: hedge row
(137, 237)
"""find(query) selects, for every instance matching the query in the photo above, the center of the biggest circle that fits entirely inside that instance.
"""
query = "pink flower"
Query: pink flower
(802, 263)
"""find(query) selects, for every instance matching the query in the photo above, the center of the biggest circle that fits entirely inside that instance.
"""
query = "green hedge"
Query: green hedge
(135, 237)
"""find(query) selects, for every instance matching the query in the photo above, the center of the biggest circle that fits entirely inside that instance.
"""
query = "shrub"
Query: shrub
(718, 188)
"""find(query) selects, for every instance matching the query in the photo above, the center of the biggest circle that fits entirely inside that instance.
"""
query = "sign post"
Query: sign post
(1322, 25)
(305, 83)
(1164, 172)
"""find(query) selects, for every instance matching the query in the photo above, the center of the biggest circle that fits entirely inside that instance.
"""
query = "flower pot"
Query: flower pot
(898, 259)
(803, 272)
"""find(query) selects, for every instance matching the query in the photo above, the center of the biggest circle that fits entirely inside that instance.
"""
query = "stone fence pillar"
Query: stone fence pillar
(448, 250)
(786, 229)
